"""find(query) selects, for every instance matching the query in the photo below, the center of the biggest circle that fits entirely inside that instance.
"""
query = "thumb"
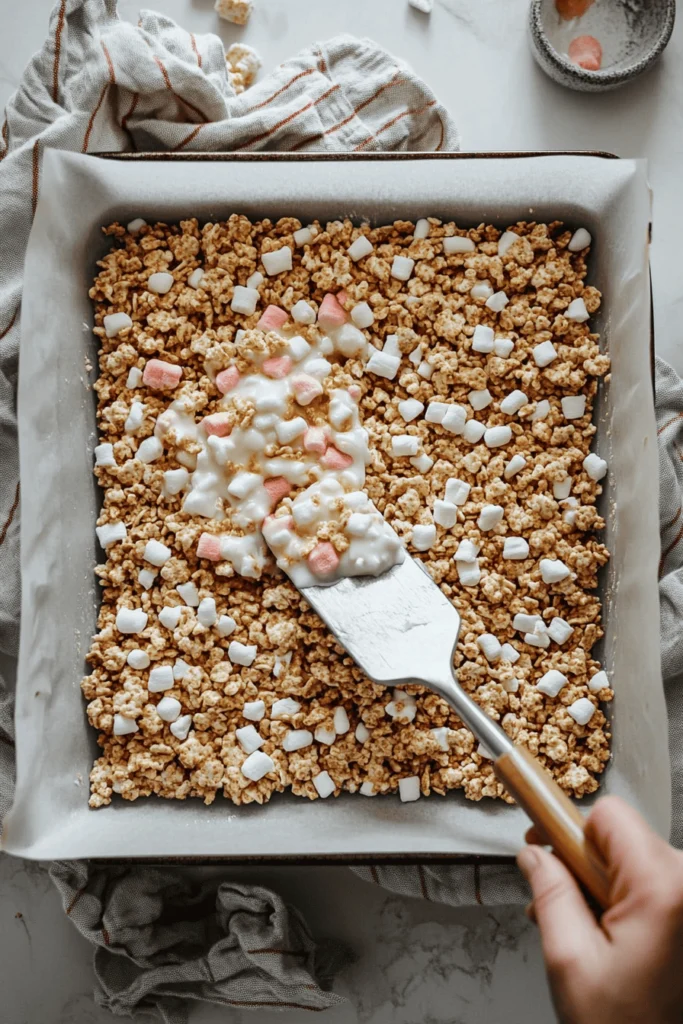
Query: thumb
(568, 928)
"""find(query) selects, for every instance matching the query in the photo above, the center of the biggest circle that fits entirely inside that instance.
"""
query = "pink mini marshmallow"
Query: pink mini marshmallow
(161, 375)
(277, 488)
(228, 379)
(218, 424)
(323, 559)
(306, 388)
(331, 315)
(354, 391)
(209, 546)
(286, 522)
(342, 298)
(272, 319)
(334, 459)
(315, 440)
(277, 367)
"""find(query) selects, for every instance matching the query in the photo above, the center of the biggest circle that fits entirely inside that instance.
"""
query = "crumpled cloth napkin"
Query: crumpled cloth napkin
(162, 937)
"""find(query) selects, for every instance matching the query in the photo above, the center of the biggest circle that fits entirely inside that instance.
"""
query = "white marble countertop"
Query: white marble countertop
(418, 963)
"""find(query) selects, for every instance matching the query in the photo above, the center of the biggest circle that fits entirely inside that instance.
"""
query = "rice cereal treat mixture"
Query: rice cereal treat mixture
(313, 377)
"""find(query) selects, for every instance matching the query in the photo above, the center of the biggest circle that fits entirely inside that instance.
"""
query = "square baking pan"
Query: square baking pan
(56, 746)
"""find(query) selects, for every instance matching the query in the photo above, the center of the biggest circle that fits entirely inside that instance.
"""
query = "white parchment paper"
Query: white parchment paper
(60, 500)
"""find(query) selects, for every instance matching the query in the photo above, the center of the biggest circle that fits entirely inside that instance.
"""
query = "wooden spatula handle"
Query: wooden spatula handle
(556, 818)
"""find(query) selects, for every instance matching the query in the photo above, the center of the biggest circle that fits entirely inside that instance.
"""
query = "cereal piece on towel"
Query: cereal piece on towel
(243, 64)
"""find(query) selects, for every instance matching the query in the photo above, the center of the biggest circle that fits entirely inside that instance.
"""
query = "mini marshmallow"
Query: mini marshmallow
(243, 483)
(298, 348)
(114, 323)
(317, 367)
(457, 491)
(424, 537)
(404, 444)
(277, 367)
(303, 313)
(503, 347)
(324, 785)
(135, 417)
(425, 370)
(415, 356)
(445, 513)
(297, 739)
(195, 278)
(160, 375)
(286, 707)
(134, 378)
(277, 262)
(351, 342)
(481, 290)
(473, 431)
(516, 463)
(598, 682)
(242, 654)
(331, 314)
(552, 682)
(254, 710)
(582, 710)
(362, 733)
(509, 653)
(391, 345)
(149, 450)
(306, 388)
(553, 570)
(160, 679)
(135, 225)
(326, 736)
(409, 789)
(146, 578)
(367, 789)
(244, 300)
(360, 248)
(272, 319)
(334, 459)
(131, 620)
(410, 409)
(457, 243)
(513, 402)
(181, 727)
(160, 283)
(455, 419)
(483, 339)
(544, 353)
(168, 709)
(257, 765)
(497, 302)
(537, 640)
(506, 241)
(341, 721)
(490, 646)
(175, 480)
(559, 630)
(104, 455)
(323, 560)
(489, 517)
(581, 239)
(255, 280)
(562, 489)
(303, 236)
(436, 412)
(469, 573)
(383, 364)
(440, 734)
(574, 407)
(423, 463)
(467, 551)
(541, 411)
(362, 315)
(287, 430)
(226, 625)
(479, 399)
(515, 548)
(249, 739)
(156, 553)
(577, 311)
(497, 436)
(169, 616)
(189, 594)
(209, 547)
(402, 268)
(180, 669)
(424, 6)
(206, 611)
(138, 659)
(595, 466)
(421, 228)
(110, 533)
(526, 623)
(124, 726)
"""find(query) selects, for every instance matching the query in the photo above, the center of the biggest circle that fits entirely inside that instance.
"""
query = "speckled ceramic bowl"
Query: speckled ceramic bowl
(633, 35)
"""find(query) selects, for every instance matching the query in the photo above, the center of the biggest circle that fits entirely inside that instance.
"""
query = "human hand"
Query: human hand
(626, 968)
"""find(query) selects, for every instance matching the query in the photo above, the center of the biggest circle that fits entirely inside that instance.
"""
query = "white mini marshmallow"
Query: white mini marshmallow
(506, 241)
(110, 533)
(303, 313)
(243, 483)
(541, 411)
(513, 402)
(473, 431)
(161, 283)
(156, 553)
(135, 417)
(175, 480)
(511, 685)
(595, 466)
(131, 620)
(455, 419)
(537, 640)
(303, 236)
(559, 630)
(297, 739)
(124, 726)
(257, 765)
(445, 513)
(181, 727)
(526, 623)
(404, 444)
(226, 625)
(298, 348)
(254, 710)
(424, 537)
(324, 785)
(359, 248)
(317, 367)
(149, 450)
(425, 370)
(138, 659)
(242, 654)
(490, 646)
(409, 789)
(402, 268)
(598, 682)
(577, 311)
(515, 548)
(134, 378)
(490, 516)
(195, 278)
(423, 463)
(168, 709)
(114, 323)
(436, 412)
(285, 708)
(146, 578)
(383, 364)
(255, 280)
(350, 342)
(483, 339)
(362, 733)
(410, 409)
(440, 734)
(582, 710)
(421, 228)
(497, 436)
(544, 353)
(424, 6)
(135, 225)
(287, 430)
(160, 679)
(341, 721)
(170, 616)
(562, 488)
(367, 789)
(497, 302)
(480, 399)
(206, 611)
(581, 239)
(467, 551)
(503, 347)
(509, 653)
(457, 243)
(481, 290)
(552, 682)
(180, 669)
(104, 455)
(457, 491)
(326, 736)
(574, 407)
(469, 573)
(244, 300)
(553, 570)
(362, 315)
(189, 594)
(516, 463)
(277, 262)
(249, 739)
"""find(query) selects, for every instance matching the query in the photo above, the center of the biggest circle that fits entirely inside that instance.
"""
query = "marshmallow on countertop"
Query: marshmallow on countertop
(544, 353)
(131, 620)
(580, 240)
(161, 282)
(110, 533)
(242, 654)
(324, 785)
(576, 311)
(490, 646)
(360, 248)
(257, 765)
(457, 243)
(595, 467)
(490, 516)
(553, 570)
(552, 682)
(582, 710)
(278, 261)
(254, 710)
(402, 268)
(483, 339)
(424, 536)
(409, 789)
(516, 463)
(138, 659)
(114, 323)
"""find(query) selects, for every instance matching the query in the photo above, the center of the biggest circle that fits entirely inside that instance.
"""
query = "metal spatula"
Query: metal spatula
(400, 628)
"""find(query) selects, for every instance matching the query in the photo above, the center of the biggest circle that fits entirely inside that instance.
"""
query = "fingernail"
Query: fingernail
(527, 859)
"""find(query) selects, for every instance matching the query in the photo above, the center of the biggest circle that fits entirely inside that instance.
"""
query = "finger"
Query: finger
(530, 912)
(626, 842)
